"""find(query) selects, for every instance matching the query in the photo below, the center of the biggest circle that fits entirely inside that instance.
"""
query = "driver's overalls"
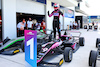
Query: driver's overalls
(56, 22)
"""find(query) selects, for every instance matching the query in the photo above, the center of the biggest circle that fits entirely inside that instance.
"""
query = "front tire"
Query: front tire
(68, 54)
(22, 46)
(97, 42)
(92, 58)
(81, 41)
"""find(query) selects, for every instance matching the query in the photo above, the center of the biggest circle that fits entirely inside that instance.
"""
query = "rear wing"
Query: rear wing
(67, 31)
(77, 32)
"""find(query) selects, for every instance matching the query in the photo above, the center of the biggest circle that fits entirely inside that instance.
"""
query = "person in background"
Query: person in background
(75, 24)
(43, 25)
(92, 25)
(71, 25)
(78, 25)
(38, 25)
(34, 24)
(96, 26)
(96, 23)
(29, 24)
(21, 26)
(88, 27)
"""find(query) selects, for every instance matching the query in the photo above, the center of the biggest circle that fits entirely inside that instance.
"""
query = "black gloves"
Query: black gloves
(48, 13)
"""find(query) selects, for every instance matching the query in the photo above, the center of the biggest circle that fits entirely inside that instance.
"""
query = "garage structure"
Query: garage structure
(10, 8)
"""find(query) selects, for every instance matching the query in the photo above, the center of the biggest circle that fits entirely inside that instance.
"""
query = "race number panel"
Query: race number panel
(31, 47)
(31, 44)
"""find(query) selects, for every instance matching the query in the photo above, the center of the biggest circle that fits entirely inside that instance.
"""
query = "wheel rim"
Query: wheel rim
(70, 55)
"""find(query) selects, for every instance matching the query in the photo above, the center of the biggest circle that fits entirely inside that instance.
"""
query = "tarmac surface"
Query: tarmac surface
(80, 58)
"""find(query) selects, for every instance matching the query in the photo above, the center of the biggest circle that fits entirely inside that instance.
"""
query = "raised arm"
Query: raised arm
(50, 14)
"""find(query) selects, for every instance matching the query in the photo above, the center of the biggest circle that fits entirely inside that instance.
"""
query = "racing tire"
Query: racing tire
(22, 46)
(90, 62)
(81, 41)
(92, 58)
(68, 54)
(97, 42)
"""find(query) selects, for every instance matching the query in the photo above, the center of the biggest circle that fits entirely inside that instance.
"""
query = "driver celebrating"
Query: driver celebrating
(56, 13)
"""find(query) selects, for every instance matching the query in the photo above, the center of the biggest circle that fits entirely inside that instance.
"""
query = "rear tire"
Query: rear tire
(97, 42)
(81, 41)
(68, 54)
(92, 58)
(22, 46)
(90, 62)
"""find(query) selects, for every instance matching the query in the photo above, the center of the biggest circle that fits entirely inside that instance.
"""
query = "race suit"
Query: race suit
(56, 22)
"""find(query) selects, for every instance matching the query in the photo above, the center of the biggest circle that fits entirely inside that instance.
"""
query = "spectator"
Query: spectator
(20, 27)
(34, 24)
(71, 25)
(29, 24)
(38, 25)
(43, 25)
(96, 23)
(92, 25)
(88, 27)
(75, 24)
(78, 24)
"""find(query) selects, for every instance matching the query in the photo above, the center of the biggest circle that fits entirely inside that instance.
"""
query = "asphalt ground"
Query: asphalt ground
(80, 58)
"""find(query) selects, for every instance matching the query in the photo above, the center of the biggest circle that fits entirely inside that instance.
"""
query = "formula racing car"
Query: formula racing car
(13, 46)
(95, 55)
(65, 45)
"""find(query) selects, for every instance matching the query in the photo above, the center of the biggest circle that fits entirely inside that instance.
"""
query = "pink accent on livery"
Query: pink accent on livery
(52, 52)
(73, 46)
(52, 47)
(64, 35)
(47, 44)
(55, 45)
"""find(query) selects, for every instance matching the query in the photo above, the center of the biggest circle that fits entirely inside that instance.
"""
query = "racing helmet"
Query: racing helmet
(56, 6)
